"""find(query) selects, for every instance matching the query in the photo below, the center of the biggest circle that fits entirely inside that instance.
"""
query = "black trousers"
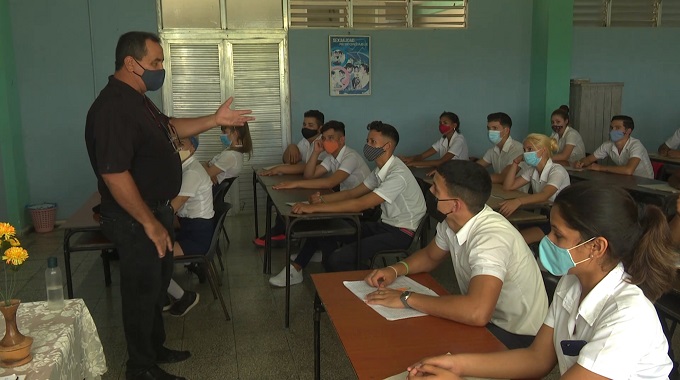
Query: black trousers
(144, 279)
(375, 237)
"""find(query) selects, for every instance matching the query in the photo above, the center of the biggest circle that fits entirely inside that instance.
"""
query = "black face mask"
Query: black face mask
(309, 133)
(431, 202)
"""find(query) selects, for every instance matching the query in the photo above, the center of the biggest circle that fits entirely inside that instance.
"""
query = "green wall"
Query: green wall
(13, 193)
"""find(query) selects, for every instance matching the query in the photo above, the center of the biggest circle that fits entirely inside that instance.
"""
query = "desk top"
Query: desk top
(82, 219)
(665, 160)
(378, 348)
(628, 182)
(65, 343)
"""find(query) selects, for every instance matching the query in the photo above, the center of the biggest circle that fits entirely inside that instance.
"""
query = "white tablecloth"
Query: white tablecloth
(66, 345)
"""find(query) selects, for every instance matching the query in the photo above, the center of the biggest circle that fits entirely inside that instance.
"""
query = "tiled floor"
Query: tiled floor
(253, 345)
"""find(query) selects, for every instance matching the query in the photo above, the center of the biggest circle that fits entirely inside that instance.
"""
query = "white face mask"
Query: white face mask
(184, 154)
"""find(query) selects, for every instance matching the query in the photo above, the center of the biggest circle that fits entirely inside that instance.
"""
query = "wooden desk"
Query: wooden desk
(83, 233)
(317, 224)
(665, 200)
(666, 160)
(378, 348)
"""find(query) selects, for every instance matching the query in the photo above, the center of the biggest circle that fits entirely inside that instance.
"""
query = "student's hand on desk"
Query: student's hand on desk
(385, 297)
(406, 159)
(578, 164)
(437, 367)
(431, 173)
(508, 207)
(159, 236)
(302, 208)
(315, 198)
(380, 277)
(285, 185)
(267, 173)
(595, 167)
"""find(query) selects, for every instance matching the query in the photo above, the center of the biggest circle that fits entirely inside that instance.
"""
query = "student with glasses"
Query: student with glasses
(615, 259)
(133, 151)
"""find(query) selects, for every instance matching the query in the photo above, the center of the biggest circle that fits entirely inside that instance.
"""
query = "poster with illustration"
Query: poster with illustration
(349, 64)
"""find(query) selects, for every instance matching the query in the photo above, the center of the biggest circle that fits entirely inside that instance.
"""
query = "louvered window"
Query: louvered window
(627, 13)
(669, 13)
(590, 13)
(633, 13)
(375, 14)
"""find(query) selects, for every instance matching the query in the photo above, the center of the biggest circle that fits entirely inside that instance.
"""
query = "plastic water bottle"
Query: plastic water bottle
(55, 289)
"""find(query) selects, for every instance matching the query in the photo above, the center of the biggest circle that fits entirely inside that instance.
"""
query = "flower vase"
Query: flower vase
(15, 348)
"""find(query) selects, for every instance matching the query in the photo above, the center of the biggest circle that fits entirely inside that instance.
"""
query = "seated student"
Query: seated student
(229, 162)
(674, 181)
(391, 185)
(670, 147)
(349, 171)
(498, 276)
(601, 324)
(570, 142)
(295, 158)
(194, 210)
(628, 154)
(451, 146)
(546, 178)
(505, 149)
(348, 168)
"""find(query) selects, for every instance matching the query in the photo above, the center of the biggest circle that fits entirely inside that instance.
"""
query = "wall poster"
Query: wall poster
(349, 64)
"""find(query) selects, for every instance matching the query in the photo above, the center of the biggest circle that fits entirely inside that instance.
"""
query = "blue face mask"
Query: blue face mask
(153, 79)
(557, 260)
(194, 141)
(615, 135)
(495, 137)
(531, 158)
(225, 140)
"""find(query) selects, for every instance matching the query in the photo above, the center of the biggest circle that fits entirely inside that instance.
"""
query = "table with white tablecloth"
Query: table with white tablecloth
(65, 342)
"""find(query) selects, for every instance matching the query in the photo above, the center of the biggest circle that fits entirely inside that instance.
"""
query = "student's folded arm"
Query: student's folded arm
(291, 168)
(324, 183)
(312, 170)
(430, 163)
(588, 160)
(542, 197)
(627, 169)
(360, 204)
(212, 171)
(663, 149)
(475, 308)
(512, 181)
(564, 154)
(178, 202)
(673, 153)
(533, 362)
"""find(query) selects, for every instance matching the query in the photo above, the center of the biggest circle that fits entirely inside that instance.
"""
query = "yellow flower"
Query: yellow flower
(14, 242)
(6, 231)
(15, 256)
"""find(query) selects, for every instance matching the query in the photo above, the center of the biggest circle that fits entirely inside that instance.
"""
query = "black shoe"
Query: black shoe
(167, 356)
(197, 269)
(184, 304)
(154, 373)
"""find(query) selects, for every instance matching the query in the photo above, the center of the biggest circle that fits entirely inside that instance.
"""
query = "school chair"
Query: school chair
(419, 241)
(668, 309)
(206, 260)
(220, 205)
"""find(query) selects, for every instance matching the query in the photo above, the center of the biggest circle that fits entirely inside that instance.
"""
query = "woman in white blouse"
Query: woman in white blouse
(569, 141)
(615, 261)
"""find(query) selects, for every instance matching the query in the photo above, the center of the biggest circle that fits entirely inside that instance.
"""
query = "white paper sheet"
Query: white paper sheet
(361, 289)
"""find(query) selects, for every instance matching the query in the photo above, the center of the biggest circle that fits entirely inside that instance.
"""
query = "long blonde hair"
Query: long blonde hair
(542, 141)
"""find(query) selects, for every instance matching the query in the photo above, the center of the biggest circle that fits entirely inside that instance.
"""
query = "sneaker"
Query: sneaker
(184, 304)
(315, 259)
(280, 279)
(168, 303)
(277, 240)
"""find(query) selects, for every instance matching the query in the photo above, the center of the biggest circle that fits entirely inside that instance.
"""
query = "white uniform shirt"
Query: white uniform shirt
(230, 162)
(457, 146)
(196, 185)
(553, 174)
(404, 203)
(673, 142)
(489, 245)
(622, 330)
(633, 148)
(350, 162)
(500, 158)
(306, 149)
(571, 137)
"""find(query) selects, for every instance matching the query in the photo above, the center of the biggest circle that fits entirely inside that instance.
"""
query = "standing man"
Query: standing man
(133, 149)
